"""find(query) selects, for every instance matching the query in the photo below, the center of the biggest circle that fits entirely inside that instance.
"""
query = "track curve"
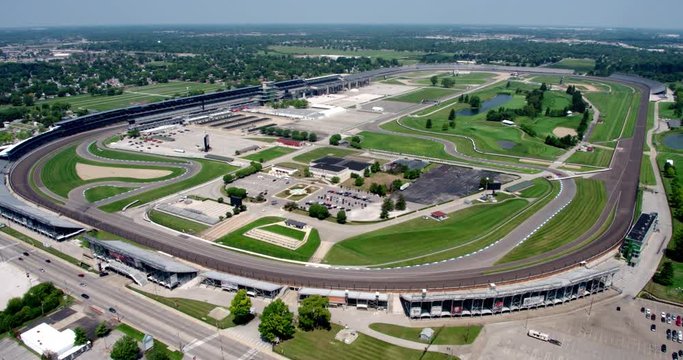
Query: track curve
(621, 182)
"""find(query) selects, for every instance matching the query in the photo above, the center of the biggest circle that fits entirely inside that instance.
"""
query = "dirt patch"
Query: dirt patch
(90, 172)
(563, 131)
(587, 87)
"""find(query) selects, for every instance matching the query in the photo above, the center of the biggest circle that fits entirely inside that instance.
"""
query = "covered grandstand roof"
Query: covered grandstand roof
(656, 87)
(361, 295)
(8, 201)
(242, 281)
(152, 259)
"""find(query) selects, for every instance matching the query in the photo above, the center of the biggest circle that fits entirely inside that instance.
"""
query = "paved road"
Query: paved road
(175, 329)
(621, 182)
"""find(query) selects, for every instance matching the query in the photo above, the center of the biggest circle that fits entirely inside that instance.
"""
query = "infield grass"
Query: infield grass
(238, 240)
(444, 335)
(269, 154)
(598, 157)
(647, 175)
(176, 223)
(427, 93)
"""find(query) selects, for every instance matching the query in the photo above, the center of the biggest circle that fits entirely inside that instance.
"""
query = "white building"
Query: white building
(282, 171)
(44, 338)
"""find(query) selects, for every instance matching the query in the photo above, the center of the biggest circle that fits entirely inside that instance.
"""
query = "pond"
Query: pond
(674, 141)
(492, 103)
(506, 145)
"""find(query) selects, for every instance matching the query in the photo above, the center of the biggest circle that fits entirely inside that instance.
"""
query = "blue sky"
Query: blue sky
(603, 13)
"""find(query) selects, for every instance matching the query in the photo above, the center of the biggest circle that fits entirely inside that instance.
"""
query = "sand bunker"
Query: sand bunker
(90, 172)
(563, 131)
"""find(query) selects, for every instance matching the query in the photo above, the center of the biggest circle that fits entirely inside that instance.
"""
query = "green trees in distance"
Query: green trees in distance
(295, 103)
(335, 139)
(475, 102)
(341, 217)
(287, 133)
(318, 211)
(378, 189)
(240, 307)
(277, 322)
(434, 80)
(313, 313)
(125, 348)
(81, 337)
(236, 192)
(228, 178)
(448, 82)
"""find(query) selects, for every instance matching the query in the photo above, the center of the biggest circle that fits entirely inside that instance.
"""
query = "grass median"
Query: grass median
(210, 170)
(269, 154)
(176, 223)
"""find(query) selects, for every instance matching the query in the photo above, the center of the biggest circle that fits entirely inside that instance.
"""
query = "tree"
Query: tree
(665, 275)
(366, 172)
(388, 204)
(544, 87)
(240, 307)
(475, 102)
(451, 115)
(157, 353)
(341, 217)
(401, 203)
(236, 192)
(102, 329)
(384, 214)
(81, 336)
(312, 137)
(375, 167)
(228, 178)
(313, 313)
(125, 348)
(220, 200)
(447, 82)
(277, 322)
(434, 80)
(359, 181)
(444, 127)
(290, 206)
(307, 172)
(335, 179)
(396, 184)
(428, 125)
(133, 133)
(335, 139)
(318, 211)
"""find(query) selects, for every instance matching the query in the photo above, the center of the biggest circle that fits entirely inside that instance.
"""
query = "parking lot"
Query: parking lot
(596, 332)
(446, 182)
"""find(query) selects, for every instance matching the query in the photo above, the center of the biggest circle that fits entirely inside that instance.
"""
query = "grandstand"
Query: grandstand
(233, 283)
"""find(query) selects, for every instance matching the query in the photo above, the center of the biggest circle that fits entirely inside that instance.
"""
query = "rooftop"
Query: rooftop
(152, 259)
(326, 167)
(344, 293)
(242, 281)
(642, 227)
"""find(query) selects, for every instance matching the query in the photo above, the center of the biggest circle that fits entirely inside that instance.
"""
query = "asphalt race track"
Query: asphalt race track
(621, 182)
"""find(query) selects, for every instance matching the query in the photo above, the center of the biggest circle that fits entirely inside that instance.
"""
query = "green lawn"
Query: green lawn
(402, 56)
(59, 173)
(428, 93)
(578, 65)
(321, 345)
(474, 78)
(572, 222)
(238, 240)
(650, 122)
(319, 152)
(540, 187)
(103, 192)
(672, 292)
(448, 335)
(647, 175)
(666, 112)
(139, 335)
(421, 237)
(614, 112)
(210, 170)
(176, 223)
(129, 155)
(197, 309)
(397, 144)
(269, 154)
(285, 231)
(598, 157)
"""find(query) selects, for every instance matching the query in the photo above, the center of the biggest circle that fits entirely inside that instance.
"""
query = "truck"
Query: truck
(543, 337)
(179, 150)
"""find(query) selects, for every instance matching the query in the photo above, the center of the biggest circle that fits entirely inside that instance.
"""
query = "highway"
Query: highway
(621, 183)
(165, 324)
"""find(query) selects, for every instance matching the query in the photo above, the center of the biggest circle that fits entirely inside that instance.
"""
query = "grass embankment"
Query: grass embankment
(319, 152)
(421, 237)
(238, 240)
(285, 231)
(176, 223)
(27, 239)
(397, 144)
(448, 335)
(650, 122)
(569, 224)
(129, 156)
(473, 78)
(197, 309)
(269, 154)
(103, 192)
(138, 335)
(647, 175)
(598, 157)
(614, 112)
(540, 188)
(321, 345)
(60, 176)
(210, 170)
(428, 93)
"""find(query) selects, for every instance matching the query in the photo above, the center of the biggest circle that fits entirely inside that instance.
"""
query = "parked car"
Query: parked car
(112, 310)
(663, 348)
(25, 253)
(48, 261)
(85, 296)
(81, 275)
(653, 327)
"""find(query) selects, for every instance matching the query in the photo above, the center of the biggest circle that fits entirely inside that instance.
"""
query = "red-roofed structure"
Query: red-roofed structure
(439, 215)
(290, 142)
